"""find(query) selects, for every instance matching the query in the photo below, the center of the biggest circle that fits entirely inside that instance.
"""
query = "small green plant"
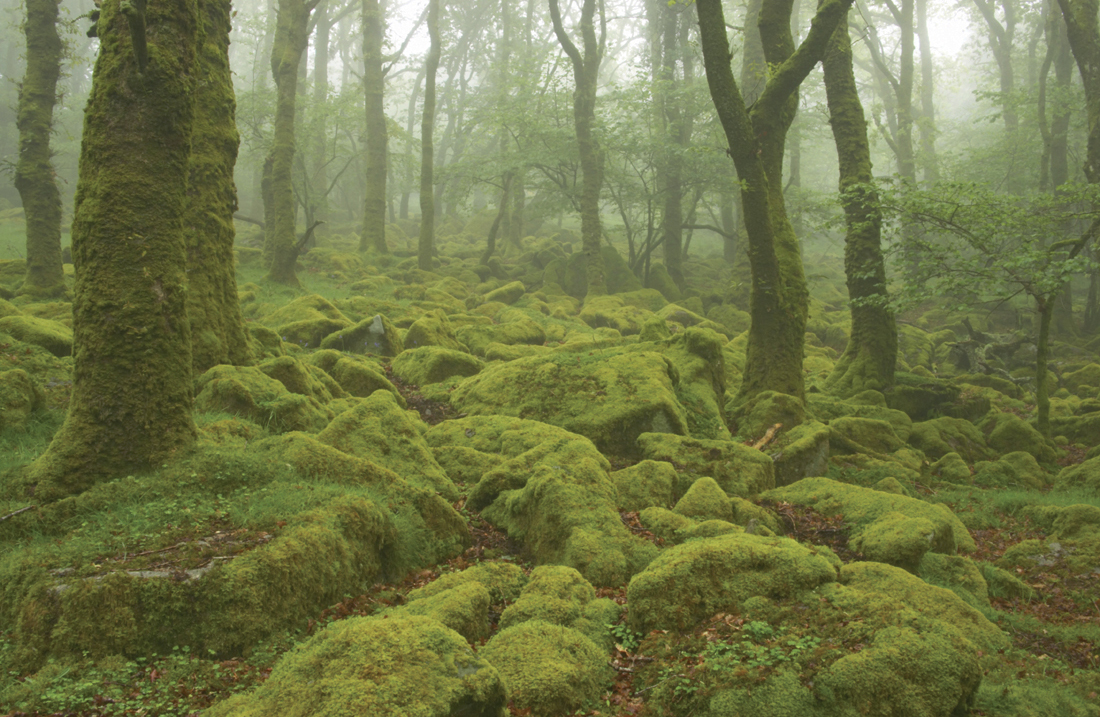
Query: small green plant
(625, 639)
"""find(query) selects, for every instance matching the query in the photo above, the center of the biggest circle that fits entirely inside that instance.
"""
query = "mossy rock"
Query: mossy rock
(610, 311)
(376, 335)
(896, 539)
(648, 299)
(699, 358)
(20, 398)
(1016, 469)
(357, 376)
(302, 378)
(692, 581)
(660, 280)
(432, 329)
(507, 294)
(397, 667)
(764, 410)
(952, 469)
(919, 397)
(1007, 432)
(379, 430)
(705, 500)
(802, 452)
(939, 436)
(520, 330)
(1087, 376)
(1082, 428)
(959, 574)
(549, 669)
(50, 335)
(654, 329)
(867, 404)
(247, 392)
(862, 507)
(922, 597)
(890, 484)
(511, 352)
(738, 469)
(561, 596)
(463, 608)
(504, 582)
(1083, 476)
(645, 484)
(433, 364)
(851, 434)
(733, 319)
(608, 396)
(465, 465)
(307, 320)
(1067, 522)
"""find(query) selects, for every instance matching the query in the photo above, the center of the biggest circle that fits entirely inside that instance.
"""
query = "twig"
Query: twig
(767, 437)
(16, 512)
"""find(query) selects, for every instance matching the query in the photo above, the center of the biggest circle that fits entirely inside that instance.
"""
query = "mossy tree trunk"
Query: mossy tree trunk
(280, 240)
(217, 330)
(131, 400)
(374, 203)
(927, 124)
(586, 70)
(780, 299)
(34, 175)
(425, 250)
(868, 360)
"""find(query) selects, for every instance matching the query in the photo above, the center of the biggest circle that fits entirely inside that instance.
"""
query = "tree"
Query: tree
(131, 399)
(426, 245)
(34, 174)
(586, 70)
(374, 79)
(780, 299)
(868, 359)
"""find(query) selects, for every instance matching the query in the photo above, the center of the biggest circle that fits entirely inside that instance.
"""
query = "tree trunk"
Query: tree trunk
(426, 245)
(130, 408)
(374, 203)
(34, 175)
(780, 299)
(217, 330)
(929, 160)
(1042, 353)
(317, 182)
(586, 70)
(280, 240)
(868, 360)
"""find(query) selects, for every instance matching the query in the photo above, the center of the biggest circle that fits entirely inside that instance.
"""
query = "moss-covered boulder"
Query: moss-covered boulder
(376, 335)
(738, 469)
(379, 430)
(432, 364)
(463, 608)
(610, 397)
(690, 582)
(507, 294)
(896, 539)
(307, 320)
(248, 392)
(1007, 432)
(939, 436)
(1085, 378)
(561, 596)
(50, 335)
(302, 378)
(357, 376)
(921, 397)
(549, 669)
(20, 397)
(802, 452)
(397, 667)
(611, 311)
(1083, 427)
(504, 582)
(1017, 469)
(519, 330)
(645, 484)
(433, 329)
(765, 410)
(960, 575)
(1083, 476)
(851, 434)
(705, 500)
(951, 468)
(863, 507)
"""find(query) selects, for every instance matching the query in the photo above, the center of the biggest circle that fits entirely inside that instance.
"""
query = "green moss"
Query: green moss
(550, 670)
(50, 335)
(1007, 432)
(645, 484)
(246, 391)
(896, 539)
(1082, 428)
(960, 575)
(1017, 469)
(407, 666)
(802, 452)
(20, 398)
(939, 436)
(507, 294)
(850, 434)
(1086, 377)
(376, 335)
(356, 375)
(379, 429)
(463, 608)
(561, 596)
(506, 352)
(432, 364)
(307, 320)
(764, 410)
(432, 329)
(465, 465)
(504, 581)
(952, 468)
(705, 500)
(610, 311)
(690, 582)
(738, 469)
(862, 507)
(302, 378)
(1084, 475)
(519, 330)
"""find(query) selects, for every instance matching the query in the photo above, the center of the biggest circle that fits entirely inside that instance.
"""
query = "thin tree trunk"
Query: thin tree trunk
(928, 158)
(426, 245)
(374, 203)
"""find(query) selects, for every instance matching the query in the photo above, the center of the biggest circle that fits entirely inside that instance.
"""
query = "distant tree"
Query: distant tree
(426, 245)
(34, 173)
(374, 79)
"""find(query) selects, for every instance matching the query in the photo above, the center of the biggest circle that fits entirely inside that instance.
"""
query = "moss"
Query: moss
(463, 608)
(699, 357)
(921, 398)
(1086, 377)
(463, 464)
(520, 330)
(690, 582)
(918, 595)
(645, 484)
(1017, 469)
(1082, 428)
(246, 391)
(561, 596)
(550, 670)
(960, 575)
(432, 329)
(705, 500)
(504, 582)
(408, 666)
(610, 311)
(738, 469)
(378, 429)
(302, 378)
(1085, 475)
(507, 294)
(432, 364)
(1003, 584)
(609, 396)
(506, 352)
(896, 539)
(802, 452)
(861, 507)
(376, 335)
(849, 434)
(764, 410)
(890, 484)
(357, 376)
(1066, 522)
(939, 436)
(50, 335)
(20, 398)
(951, 468)
(1007, 432)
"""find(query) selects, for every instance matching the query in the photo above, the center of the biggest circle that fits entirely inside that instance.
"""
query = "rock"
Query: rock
(939, 436)
(20, 398)
(896, 539)
(561, 596)
(850, 434)
(433, 329)
(357, 376)
(376, 335)
(802, 452)
(507, 294)
(1007, 432)
(952, 468)
(307, 320)
(246, 391)
(50, 335)
(645, 484)
(520, 330)
(705, 500)
(764, 410)
(738, 469)
(433, 364)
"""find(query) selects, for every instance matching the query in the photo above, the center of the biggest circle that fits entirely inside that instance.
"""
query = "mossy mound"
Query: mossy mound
(677, 528)
(1085, 475)
(307, 320)
(960, 575)
(1081, 428)
(1083, 380)
(611, 311)
(432, 364)
(608, 396)
(378, 429)
(896, 539)
(802, 452)
(951, 468)
(1007, 432)
(738, 469)
(765, 410)
(519, 330)
(20, 398)
(357, 376)
(561, 596)
(248, 392)
(1016, 469)
(851, 434)
(645, 484)
(705, 500)
(463, 608)
(400, 666)
(939, 436)
(863, 507)
(504, 581)
(376, 335)
(690, 582)
(432, 329)
(50, 335)
(507, 294)
(302, 378)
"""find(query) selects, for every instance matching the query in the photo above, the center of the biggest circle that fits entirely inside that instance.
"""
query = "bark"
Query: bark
(780, 299)
(675, 130)
(34, 174)
(928, 158)
(374, 203)
(899, 130)
(868, 360)
(130, 408)
(426, 245)
(280, 240)
(218, 334)
(586, 69)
